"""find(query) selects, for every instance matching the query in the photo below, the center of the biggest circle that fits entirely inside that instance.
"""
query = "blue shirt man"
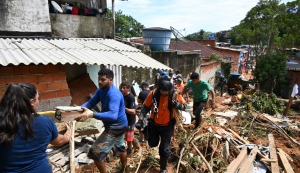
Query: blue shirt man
(113, 117)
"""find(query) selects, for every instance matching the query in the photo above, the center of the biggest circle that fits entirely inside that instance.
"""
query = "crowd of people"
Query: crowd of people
(24, 135)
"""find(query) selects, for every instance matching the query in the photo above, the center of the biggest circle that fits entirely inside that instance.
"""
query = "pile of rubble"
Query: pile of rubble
(231, 139)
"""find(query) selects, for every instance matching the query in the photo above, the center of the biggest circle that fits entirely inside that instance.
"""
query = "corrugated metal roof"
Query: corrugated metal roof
(74, 51)
(146, 60)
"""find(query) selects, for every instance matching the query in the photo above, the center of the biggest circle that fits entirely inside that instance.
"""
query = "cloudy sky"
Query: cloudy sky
(193, 15)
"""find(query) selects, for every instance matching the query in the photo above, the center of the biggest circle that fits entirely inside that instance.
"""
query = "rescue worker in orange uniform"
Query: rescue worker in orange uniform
(161, 123)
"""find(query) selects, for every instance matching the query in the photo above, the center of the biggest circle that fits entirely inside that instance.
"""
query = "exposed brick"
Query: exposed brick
(76, 98)
(50, 95)
(85, 85)
(62, 68)
(21, 70)
(37, 69)
(86, 77)
(30, 79)
(45, 78)
(40, 96)
(10, 80)
(6, 71)
(2, 81)
(52, 68)
(58, 76)
(75, 83)
(54, 86)
(84, 93)
(63, 93)
(75, 91)
(42, 87)
(90, 83)
(64, 84)
(84, 100)
(1, 92)
(92, 89)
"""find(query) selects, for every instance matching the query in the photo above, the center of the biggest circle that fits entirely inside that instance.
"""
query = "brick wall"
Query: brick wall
(81, 88)
(208, 72)
(295, 61)
(206, 68)
(50, 81)
(235, 55)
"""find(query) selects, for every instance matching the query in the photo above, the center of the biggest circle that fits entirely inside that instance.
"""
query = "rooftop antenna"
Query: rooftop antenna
(179, 36)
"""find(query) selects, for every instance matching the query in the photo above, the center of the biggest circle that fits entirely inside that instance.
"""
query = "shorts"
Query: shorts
(103, 145)
(129, 133)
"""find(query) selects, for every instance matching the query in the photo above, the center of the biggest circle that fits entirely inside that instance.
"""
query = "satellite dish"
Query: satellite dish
(56, 6)
(178, 35)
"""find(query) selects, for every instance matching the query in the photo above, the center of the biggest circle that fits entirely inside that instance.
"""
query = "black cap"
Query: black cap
(171, 73)
(177, 71)
(144, 84)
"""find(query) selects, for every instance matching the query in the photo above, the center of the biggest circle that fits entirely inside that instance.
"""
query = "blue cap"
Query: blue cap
(164, 73)
(219, 72)
(160, 71)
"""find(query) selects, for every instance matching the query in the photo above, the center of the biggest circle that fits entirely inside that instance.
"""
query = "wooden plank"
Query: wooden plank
(287, 166)
(288, 106)
(236, 163)
(79, 150)
(238, 136)
(273, 155)
(72, 148)
(248, 164)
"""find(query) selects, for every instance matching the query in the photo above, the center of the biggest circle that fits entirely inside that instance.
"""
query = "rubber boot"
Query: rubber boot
(163, 164)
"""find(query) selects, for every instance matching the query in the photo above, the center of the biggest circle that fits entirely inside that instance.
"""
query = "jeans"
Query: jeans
(165, 133)
(219, 85)
(197, 109)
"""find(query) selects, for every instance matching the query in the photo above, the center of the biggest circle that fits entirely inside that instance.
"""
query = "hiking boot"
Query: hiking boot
(163, 164)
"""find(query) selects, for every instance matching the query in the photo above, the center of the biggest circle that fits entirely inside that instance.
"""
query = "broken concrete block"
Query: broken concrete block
(90, 126)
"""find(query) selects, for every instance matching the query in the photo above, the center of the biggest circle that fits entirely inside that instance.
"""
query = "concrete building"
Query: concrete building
(33, 18)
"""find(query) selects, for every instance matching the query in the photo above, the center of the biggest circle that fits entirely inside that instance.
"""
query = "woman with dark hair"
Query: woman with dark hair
(24, 136)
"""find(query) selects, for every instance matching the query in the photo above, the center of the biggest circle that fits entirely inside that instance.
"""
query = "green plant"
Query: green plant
(267, 103)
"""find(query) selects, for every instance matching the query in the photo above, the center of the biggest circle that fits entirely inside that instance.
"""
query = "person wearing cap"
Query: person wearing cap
(179, 85)
(164, 73)
(141, 98)
(220, 82)
(179, 76)
(162, 121)
(157, 76)
(200, 87)
(171, 76)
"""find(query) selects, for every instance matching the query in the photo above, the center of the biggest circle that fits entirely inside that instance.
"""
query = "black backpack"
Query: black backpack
(223, 80)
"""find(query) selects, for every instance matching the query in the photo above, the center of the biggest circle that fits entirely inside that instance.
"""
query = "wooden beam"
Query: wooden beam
(236, 163)
(287, 166)
(72, 148)
(238, 136)
(288, 106)
(273, 154)
(248, 164)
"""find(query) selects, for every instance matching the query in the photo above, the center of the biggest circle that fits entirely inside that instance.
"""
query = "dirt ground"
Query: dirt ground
(237, 124)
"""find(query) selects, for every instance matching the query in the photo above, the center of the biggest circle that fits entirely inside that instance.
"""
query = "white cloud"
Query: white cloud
(212, 15)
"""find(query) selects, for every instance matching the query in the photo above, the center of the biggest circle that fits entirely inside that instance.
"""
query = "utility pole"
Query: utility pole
(114, 18)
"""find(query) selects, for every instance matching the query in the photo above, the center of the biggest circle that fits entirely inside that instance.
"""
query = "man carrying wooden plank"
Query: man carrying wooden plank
(113, 117)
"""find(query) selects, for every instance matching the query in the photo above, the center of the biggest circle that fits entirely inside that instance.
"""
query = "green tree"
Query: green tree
(126, 25)
(200, 35)
(271, 71)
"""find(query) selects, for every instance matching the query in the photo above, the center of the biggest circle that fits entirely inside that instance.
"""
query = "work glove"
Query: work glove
(140, 125)
(85, 115)
(176, 104)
